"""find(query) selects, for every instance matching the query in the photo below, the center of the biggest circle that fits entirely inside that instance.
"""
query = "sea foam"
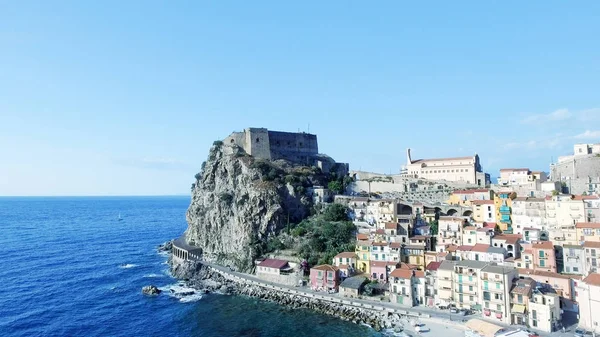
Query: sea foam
(127, 266)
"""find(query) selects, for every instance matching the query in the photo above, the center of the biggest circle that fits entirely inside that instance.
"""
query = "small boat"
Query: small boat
(119, 218)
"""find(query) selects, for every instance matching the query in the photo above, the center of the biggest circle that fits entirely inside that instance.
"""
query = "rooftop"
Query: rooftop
(391, 225)
(587, 225)
(482, 202)
(326, 267)
(549, 274)
(498, 269)
(592, 279)
(481, 190)
(348, 255)
(543, 244)
(407, 273)
(273, 263)
(432, 266)
(514, 169)
(480, 247)
(591, 244)
(354, 282)
(440, 159)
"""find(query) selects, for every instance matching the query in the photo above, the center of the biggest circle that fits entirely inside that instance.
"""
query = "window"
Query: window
(487, 305)
(470, 288)
(588, 231)
(469, 240)
(471, 298)
(499, 307)
(320, 274)
(486, 296)
(497, 285)
(593, 251)
(383, 256)
(534, 314)
(541, 253)
(542, 263)
(568, 269)
(520, 298)
(575, 269)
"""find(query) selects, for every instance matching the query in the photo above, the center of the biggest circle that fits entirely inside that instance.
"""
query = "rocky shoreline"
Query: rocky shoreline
(200, 277)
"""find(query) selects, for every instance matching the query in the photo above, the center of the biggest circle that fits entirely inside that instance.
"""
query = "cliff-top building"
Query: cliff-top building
(580, 172)
(459, 169)
(297, 147)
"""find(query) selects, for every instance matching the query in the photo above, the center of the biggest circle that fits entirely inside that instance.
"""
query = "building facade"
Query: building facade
(529, 213)
(459, 169)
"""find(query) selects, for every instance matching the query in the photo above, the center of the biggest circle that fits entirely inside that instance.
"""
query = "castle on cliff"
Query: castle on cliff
(296, 147)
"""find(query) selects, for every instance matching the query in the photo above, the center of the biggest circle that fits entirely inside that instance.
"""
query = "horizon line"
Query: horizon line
(93, 195)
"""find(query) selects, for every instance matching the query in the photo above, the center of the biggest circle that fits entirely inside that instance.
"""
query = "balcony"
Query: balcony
(465, 290)
(504, 210)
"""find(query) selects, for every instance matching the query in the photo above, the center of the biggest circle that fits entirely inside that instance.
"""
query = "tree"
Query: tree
(555, 192)
(497, 230)
(336, 186)
(336, 212)
(434, 227)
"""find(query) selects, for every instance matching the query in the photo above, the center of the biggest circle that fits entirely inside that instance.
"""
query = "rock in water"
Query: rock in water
(151, 290)
(166, 247)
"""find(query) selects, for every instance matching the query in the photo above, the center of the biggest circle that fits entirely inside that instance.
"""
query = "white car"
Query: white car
(421, 328)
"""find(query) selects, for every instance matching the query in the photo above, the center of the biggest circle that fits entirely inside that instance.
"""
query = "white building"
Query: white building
(459, 169)
(529, 213)
(588, 298)
(407, 287)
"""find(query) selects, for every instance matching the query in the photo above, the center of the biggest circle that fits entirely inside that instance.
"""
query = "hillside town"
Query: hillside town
(523, 251)
(437, 237)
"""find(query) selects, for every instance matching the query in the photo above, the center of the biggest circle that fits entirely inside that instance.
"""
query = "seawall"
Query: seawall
(216, 279)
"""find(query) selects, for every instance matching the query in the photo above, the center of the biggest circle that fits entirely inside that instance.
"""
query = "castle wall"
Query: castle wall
(295, 147)
(257, 141)
(578, 173)
(238, 138)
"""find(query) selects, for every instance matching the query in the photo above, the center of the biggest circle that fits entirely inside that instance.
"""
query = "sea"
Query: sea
(75, 266)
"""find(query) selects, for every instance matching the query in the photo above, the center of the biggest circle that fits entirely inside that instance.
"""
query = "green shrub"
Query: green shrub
(218, 143)
(198, 176)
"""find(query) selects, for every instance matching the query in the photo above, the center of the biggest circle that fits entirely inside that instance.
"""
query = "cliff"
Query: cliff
(238, 202)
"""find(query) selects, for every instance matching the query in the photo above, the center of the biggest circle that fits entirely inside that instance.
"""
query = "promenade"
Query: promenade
(429, 316)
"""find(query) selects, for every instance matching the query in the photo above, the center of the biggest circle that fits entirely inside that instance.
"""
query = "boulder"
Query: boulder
(151, 290)
(166, 247)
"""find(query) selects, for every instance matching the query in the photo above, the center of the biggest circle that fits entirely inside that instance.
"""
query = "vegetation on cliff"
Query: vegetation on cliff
(318, 238)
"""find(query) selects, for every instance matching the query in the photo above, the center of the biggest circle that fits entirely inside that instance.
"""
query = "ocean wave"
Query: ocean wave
(153, 275)
(182, 292)
(127, 266)
(191, 298)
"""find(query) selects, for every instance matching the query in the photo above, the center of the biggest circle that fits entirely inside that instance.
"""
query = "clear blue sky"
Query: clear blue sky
(126, 97)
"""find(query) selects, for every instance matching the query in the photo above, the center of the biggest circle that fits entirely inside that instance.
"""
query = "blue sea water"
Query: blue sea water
(71, 268)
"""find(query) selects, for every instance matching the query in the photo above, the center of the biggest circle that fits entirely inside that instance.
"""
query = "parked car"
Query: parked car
(454, 310)
(581, 333)
(421, 328)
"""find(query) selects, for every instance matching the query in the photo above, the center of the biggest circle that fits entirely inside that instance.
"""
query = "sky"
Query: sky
(126, 97)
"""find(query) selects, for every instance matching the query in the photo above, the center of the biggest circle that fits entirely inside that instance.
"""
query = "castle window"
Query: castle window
(300, 144)
(232, 141)
(257, 140)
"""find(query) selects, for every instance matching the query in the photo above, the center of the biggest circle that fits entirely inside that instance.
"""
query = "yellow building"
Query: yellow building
(503, 203)
(588, 231)
(483, 210)
(363, 251)
(466, 197)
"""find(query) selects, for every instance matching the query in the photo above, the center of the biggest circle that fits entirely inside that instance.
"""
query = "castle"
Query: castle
(296, 147)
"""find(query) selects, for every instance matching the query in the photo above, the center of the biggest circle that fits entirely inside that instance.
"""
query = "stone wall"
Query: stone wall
(577, 173)
(295, 147)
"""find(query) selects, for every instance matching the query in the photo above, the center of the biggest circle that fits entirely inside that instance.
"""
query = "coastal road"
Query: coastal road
(438, 318)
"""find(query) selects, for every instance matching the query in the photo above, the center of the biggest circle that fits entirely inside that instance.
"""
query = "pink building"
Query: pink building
(544, 257)
(324, 277)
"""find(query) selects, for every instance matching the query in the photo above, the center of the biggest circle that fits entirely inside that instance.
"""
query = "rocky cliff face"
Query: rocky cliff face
(239, 201)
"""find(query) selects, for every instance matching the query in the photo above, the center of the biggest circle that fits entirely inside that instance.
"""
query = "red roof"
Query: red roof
(362, 237)
(591, 244)
(451, 248)
(587, 225)
(433, 265)
(525, 272)
(593, 279)
(391, 225)
(349, 255)
(325, 267)
(585, 197)
(380, 231)
(509, 238)
(543, 245)
(381, 264)
(379, 244)
(480, 247)
(395, 245)
(464, 248)
(482, 202)
(273, 263)
(407, 273)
